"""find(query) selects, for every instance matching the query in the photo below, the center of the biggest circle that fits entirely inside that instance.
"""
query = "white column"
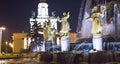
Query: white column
(25, 43)
(97, 42)
(29, 41)
(65, 43)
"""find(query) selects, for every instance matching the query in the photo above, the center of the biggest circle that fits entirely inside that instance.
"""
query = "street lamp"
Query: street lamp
(6, 46)
(1, 28)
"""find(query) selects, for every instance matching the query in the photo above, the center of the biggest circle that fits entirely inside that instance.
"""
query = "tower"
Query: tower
(43, 10)
(43, 16)
(37, 24)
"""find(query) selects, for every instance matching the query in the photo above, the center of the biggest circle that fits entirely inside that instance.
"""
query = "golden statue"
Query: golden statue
(96, 24)
(65, 28)
(46, 30)
(49, 33)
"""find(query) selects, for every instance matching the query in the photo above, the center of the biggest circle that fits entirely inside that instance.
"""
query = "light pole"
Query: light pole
(1, 28)
(6, 46)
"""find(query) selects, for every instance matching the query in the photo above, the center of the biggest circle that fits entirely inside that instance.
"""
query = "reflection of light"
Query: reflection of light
(3, 61)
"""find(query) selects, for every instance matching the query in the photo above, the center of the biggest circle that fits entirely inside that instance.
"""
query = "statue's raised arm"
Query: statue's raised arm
(68, 14)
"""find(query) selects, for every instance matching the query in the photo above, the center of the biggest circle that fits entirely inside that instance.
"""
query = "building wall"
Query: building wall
(18, 41)
(72, 37)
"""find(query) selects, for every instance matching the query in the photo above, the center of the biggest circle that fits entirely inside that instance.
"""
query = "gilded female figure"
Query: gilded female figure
(97, 23)
(65, 28)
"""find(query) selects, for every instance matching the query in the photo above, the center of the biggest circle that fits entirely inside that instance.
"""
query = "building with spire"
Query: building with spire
(43, 16)
(38, 24)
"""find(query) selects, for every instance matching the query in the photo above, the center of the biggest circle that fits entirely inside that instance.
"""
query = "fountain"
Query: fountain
(96, 26)
(109, 19)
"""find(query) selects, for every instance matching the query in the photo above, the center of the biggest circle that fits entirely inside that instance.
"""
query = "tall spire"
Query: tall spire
(42, 0)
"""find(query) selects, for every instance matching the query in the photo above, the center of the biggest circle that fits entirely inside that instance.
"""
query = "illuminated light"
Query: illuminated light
(6, 42)
(2, 28)
(43, 10)
(11, 45)
(38, 48)
(53, 23)
(33, 40)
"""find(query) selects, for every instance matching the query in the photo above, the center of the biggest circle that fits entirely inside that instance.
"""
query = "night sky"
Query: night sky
(15, 14)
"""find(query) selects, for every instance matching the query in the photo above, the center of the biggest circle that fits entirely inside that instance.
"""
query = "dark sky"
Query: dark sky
(15, 14)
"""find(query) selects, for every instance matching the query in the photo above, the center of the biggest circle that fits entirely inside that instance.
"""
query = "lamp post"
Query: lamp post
(6, 46)
(11, 45)
(1, 28)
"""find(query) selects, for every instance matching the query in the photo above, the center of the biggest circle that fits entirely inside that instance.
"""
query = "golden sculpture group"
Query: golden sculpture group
(49, 33)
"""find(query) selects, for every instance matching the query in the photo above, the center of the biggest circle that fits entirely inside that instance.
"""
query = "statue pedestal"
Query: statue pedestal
(65, 43)
(97, 42)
